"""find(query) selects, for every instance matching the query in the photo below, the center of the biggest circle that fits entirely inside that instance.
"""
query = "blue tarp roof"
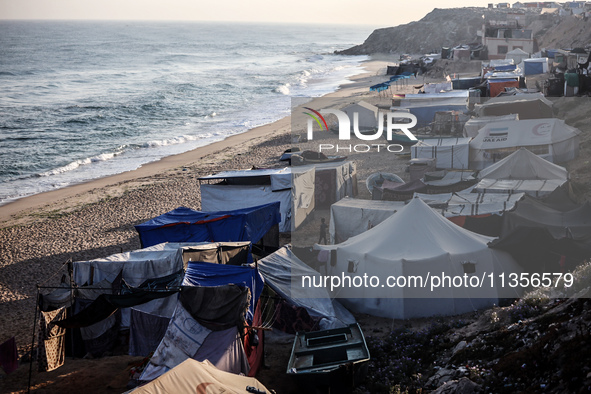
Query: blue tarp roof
(187, 225)
(209, 275)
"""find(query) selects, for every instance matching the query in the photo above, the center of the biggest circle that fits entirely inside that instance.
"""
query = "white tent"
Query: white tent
(551, 139)
(517, 55)
(448, 152)
(282, 269)
(472, 126)
(525, 165)
(351, 216)
(292, 187)
(367, 113)
(412, 246)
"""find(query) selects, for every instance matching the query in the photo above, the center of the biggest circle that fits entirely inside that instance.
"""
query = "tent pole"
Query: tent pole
(33, 341)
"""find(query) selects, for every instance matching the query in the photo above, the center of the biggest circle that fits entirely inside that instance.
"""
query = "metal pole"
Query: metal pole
(33, 341)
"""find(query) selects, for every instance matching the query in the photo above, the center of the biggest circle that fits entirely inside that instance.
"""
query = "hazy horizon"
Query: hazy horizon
(373, 13)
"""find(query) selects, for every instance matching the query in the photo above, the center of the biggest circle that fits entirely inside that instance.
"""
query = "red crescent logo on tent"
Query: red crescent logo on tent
(536, 130)
(202, 387)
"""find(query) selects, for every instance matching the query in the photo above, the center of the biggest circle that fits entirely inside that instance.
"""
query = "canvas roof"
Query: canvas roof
(524, 165)
(415, 241)
(535, 188)
(528, 106)
(471, 204)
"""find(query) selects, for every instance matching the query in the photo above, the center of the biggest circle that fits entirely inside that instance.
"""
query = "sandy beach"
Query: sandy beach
(95, 219)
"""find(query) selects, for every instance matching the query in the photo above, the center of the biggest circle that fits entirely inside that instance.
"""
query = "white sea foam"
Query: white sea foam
(283, 89)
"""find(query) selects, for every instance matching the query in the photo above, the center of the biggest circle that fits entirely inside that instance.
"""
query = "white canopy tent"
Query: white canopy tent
(524, 165)
(551, 139)
(417, 242)
(292, 187)
(517, 55)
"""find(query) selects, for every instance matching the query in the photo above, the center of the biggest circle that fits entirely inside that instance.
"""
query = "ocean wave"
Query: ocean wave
(172, 141)
(82, 162)
(283, 89)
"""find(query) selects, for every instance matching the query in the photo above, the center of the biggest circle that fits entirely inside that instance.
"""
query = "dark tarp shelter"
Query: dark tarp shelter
(537, 250)
(574, 223)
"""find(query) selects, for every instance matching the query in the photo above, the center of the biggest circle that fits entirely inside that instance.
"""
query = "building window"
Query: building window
(502, 49)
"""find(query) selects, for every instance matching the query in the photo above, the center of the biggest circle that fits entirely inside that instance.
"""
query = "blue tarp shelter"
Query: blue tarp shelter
(187, 225)
(209, 275)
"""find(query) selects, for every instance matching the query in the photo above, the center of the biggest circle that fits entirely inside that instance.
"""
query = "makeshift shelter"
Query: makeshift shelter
(535, 188)
(551, 139)
(574, 224)
(527, 106)
(209, 318)
(292, 187)
(517, 55)
(333, 181)
(448, 152)
(351, 216)
(478, 212)
(159, 261)
(438, 182)
(472, 126)
(535, 66)
(425, 106)
(497, 86)
(414, 243)
(283, 272)
(538, 251)
(367, 115)
(432, 88)
(187, 225)
(192, 376)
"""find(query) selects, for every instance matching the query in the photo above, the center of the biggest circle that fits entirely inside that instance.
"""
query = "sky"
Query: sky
(375, 13)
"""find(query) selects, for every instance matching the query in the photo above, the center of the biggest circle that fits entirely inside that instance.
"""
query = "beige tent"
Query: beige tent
(199, 377)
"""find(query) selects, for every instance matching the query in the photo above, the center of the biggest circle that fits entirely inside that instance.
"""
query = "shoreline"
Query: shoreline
(94, 190)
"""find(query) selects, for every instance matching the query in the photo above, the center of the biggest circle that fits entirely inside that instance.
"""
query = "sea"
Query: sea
(80, 100)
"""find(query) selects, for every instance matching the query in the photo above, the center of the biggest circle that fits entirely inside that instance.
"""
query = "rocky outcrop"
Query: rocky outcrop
(440, 27)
